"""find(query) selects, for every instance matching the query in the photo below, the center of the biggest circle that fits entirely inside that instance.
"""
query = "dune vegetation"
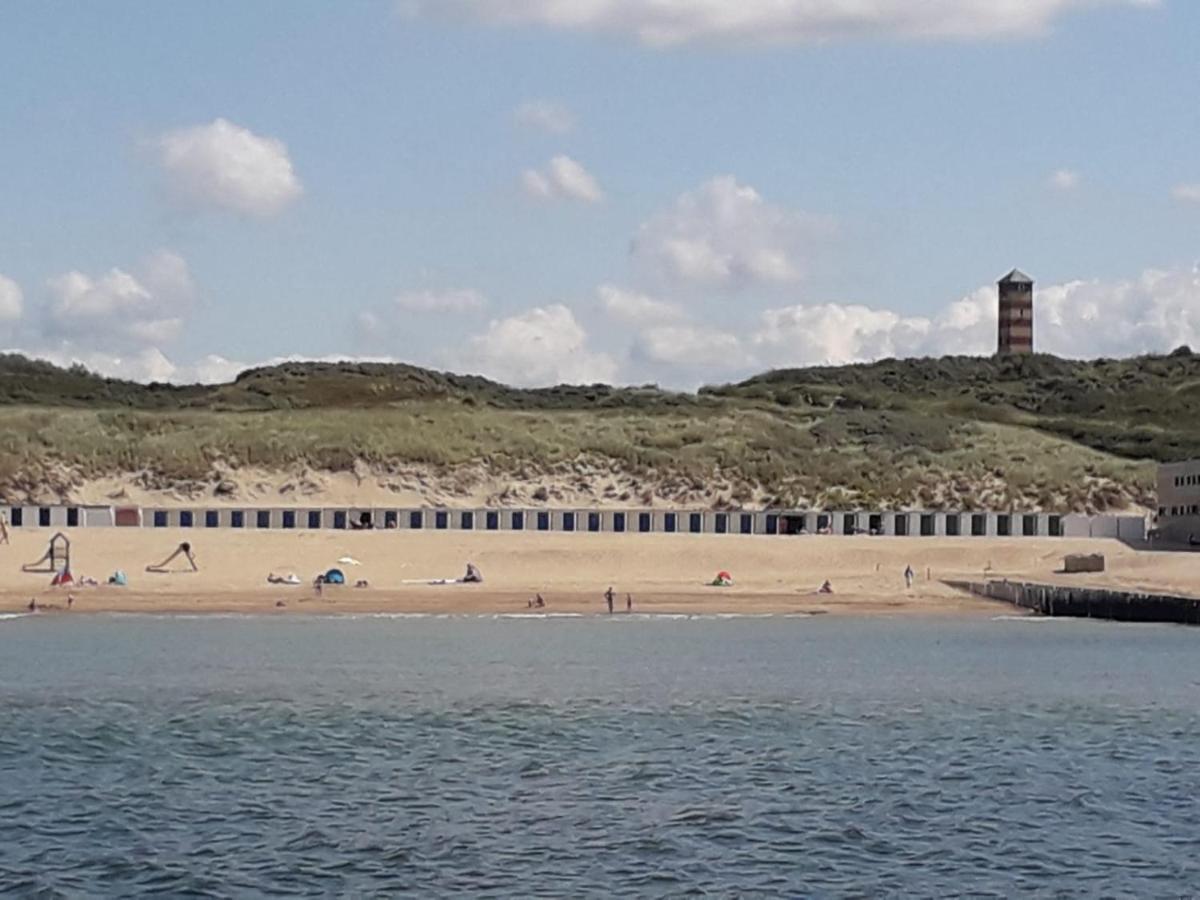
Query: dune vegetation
(930, 433)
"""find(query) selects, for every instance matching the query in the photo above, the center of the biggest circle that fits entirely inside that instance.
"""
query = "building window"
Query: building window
(440, 520)
(518, 521)
(160, 518)
(185, 519)
(212, 518)
(468, 521)
(339, 520)
(237, 519)
(645, 522)
(416, 520)
(619, 522)
(289, 518)
(263, 519)
(493, 520)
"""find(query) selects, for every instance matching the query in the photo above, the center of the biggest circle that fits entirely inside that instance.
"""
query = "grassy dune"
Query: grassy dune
(938, 432)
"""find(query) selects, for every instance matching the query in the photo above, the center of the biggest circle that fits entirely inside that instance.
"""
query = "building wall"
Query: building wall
(1015, 319)
(1178, 516)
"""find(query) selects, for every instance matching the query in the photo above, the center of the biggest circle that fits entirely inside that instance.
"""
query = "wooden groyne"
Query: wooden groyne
(1089, 603)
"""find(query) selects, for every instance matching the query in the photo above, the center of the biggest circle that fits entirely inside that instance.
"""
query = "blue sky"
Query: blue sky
(629, 190)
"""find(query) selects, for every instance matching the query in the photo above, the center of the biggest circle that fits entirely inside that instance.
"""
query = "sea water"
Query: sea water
(597, 757)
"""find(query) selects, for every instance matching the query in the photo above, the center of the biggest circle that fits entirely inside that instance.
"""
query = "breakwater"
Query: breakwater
(1089, 603)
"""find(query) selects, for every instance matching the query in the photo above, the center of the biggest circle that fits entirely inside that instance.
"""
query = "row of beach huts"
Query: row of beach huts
(609, 521)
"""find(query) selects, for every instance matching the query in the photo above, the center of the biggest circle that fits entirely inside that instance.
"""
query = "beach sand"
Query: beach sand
(664, 573)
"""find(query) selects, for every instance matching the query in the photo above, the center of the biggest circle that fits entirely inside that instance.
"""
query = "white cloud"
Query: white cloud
(147, 365)
(671, 22)
(121, 310)
(691, 346)
(224, 166)
(724, 234)
(543, 346)
(12, 303)
(834, 334)
(1153, 313)
(451, 301)
(633, 308)
(1065, 180)
(1188, 193)
(562, 178)
(545, 115)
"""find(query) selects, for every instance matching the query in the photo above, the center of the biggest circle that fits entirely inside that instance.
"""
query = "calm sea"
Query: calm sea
(243, 757)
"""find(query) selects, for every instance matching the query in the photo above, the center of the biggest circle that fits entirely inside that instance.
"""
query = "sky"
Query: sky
(632, 191)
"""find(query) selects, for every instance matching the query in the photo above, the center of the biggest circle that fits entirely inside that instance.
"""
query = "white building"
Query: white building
(1179, 501)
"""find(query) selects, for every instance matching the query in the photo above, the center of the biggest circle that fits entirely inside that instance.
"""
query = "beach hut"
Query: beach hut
(97, 517)
(565, 520)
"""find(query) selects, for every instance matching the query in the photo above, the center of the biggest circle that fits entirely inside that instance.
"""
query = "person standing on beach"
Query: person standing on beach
(608, 596)
(908, 576)
(629, 603)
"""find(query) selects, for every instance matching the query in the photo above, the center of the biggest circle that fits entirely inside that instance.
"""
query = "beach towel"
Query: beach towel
(349, 561)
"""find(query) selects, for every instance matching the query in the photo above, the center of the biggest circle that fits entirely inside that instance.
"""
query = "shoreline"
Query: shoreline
(302, 601)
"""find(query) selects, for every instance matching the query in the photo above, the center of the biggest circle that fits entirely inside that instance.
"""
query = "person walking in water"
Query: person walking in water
(608, 596)
(909, 575)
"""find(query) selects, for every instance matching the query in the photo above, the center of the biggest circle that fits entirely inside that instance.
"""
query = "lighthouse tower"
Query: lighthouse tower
(1016, 314)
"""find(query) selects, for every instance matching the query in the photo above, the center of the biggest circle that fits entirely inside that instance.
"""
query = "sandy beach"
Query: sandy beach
(664, 573)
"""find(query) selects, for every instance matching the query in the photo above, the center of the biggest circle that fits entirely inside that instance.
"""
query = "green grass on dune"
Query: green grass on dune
(935, 432)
